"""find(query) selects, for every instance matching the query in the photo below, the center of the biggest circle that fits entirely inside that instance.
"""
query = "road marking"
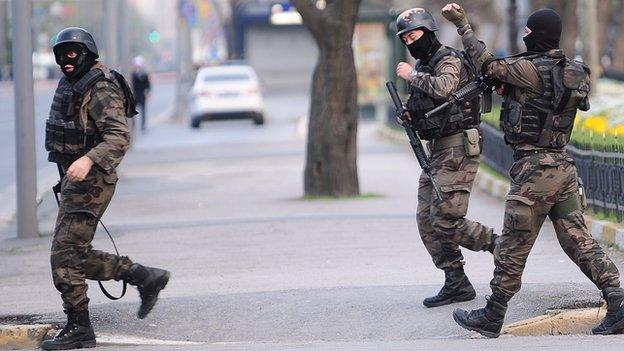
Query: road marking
(127, 340)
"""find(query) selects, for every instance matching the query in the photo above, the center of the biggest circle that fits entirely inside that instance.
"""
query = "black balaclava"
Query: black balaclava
(82, 63)
(545, 26)
(425, 46)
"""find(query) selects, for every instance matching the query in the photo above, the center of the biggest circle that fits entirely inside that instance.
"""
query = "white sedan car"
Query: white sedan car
(226, 92)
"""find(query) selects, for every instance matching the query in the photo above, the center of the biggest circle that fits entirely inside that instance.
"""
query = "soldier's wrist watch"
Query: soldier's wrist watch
(413, 75)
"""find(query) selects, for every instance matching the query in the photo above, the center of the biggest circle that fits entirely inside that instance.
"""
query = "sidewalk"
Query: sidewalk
(253, 263)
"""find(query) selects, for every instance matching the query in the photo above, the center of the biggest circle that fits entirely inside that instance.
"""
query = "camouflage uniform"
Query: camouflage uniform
(82, 203)
(442, 223)
(540, 178)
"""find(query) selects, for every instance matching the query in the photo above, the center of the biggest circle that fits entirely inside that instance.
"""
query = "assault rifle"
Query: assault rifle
(414, 140)
(483, 85)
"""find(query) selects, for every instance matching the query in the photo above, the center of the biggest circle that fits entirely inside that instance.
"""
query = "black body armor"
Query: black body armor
(66, 138)
(547, 120)
(457, 119)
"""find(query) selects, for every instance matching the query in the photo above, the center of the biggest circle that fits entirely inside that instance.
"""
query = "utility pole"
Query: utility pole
(124, 47)
(111, 27)
(587, 14)
(25, 157)
(4, 34)
(184, 64)
(124, 36)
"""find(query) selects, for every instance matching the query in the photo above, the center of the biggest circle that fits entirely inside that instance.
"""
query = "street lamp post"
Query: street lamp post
(26, 170)
(184, 64)
(111, 26)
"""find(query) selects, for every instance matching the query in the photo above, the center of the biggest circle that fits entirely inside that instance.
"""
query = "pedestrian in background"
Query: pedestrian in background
(140, 87)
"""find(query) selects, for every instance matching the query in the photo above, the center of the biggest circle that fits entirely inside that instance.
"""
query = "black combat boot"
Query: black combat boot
(457, 288)
(76, 334)
(150, 281)
(493, 243)
(487, 321)
(613, 323)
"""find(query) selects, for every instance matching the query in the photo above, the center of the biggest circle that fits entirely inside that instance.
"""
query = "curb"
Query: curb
(607, 232)
(23, 336)
(558, 323)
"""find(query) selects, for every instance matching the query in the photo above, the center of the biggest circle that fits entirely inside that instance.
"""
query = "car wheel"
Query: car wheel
(258, 119)
(195, 123)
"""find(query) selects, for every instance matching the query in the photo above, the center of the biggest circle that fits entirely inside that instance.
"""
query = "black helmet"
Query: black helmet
(416, 18)
(76, 35)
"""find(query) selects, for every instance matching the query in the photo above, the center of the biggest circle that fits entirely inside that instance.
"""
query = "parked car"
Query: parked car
(226, 92)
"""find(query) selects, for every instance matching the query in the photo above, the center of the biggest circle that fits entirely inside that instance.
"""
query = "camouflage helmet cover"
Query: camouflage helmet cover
(416, 18)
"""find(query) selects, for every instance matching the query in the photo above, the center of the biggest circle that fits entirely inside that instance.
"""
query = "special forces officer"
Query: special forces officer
(455, 149)
(87, 136)
(542, 92)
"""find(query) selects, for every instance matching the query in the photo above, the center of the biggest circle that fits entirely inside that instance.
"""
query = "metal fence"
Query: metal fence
(602, 172)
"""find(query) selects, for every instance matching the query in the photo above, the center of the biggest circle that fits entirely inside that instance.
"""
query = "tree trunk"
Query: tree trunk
(513, 27)
(331, 162)
(570, 28)
(231, 31)
(588, 18)
(618, 56)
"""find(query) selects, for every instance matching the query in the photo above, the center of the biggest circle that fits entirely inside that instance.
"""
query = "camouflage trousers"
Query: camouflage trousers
(442, 223)
(73, 259)
(538, 182)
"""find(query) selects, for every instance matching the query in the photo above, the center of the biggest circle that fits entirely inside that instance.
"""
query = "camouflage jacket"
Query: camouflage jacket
(104, 104)
(516, 71)
(448, 75)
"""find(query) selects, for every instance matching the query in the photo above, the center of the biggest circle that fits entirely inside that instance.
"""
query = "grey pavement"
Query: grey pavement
(256, 267)
(545, 343)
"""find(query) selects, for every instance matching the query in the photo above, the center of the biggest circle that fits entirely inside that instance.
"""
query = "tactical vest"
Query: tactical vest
(458, 118)
(66, 138)
(546, 120)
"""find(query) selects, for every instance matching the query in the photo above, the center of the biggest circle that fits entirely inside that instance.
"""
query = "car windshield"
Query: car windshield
(221, 77)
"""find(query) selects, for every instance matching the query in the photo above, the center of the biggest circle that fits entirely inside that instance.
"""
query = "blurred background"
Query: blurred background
(269, 36)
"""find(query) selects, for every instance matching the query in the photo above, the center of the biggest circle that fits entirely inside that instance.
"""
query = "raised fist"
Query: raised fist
(455, 14)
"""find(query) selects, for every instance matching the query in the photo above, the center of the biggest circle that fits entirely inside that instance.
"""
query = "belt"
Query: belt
(448, 142)
(519, 154)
